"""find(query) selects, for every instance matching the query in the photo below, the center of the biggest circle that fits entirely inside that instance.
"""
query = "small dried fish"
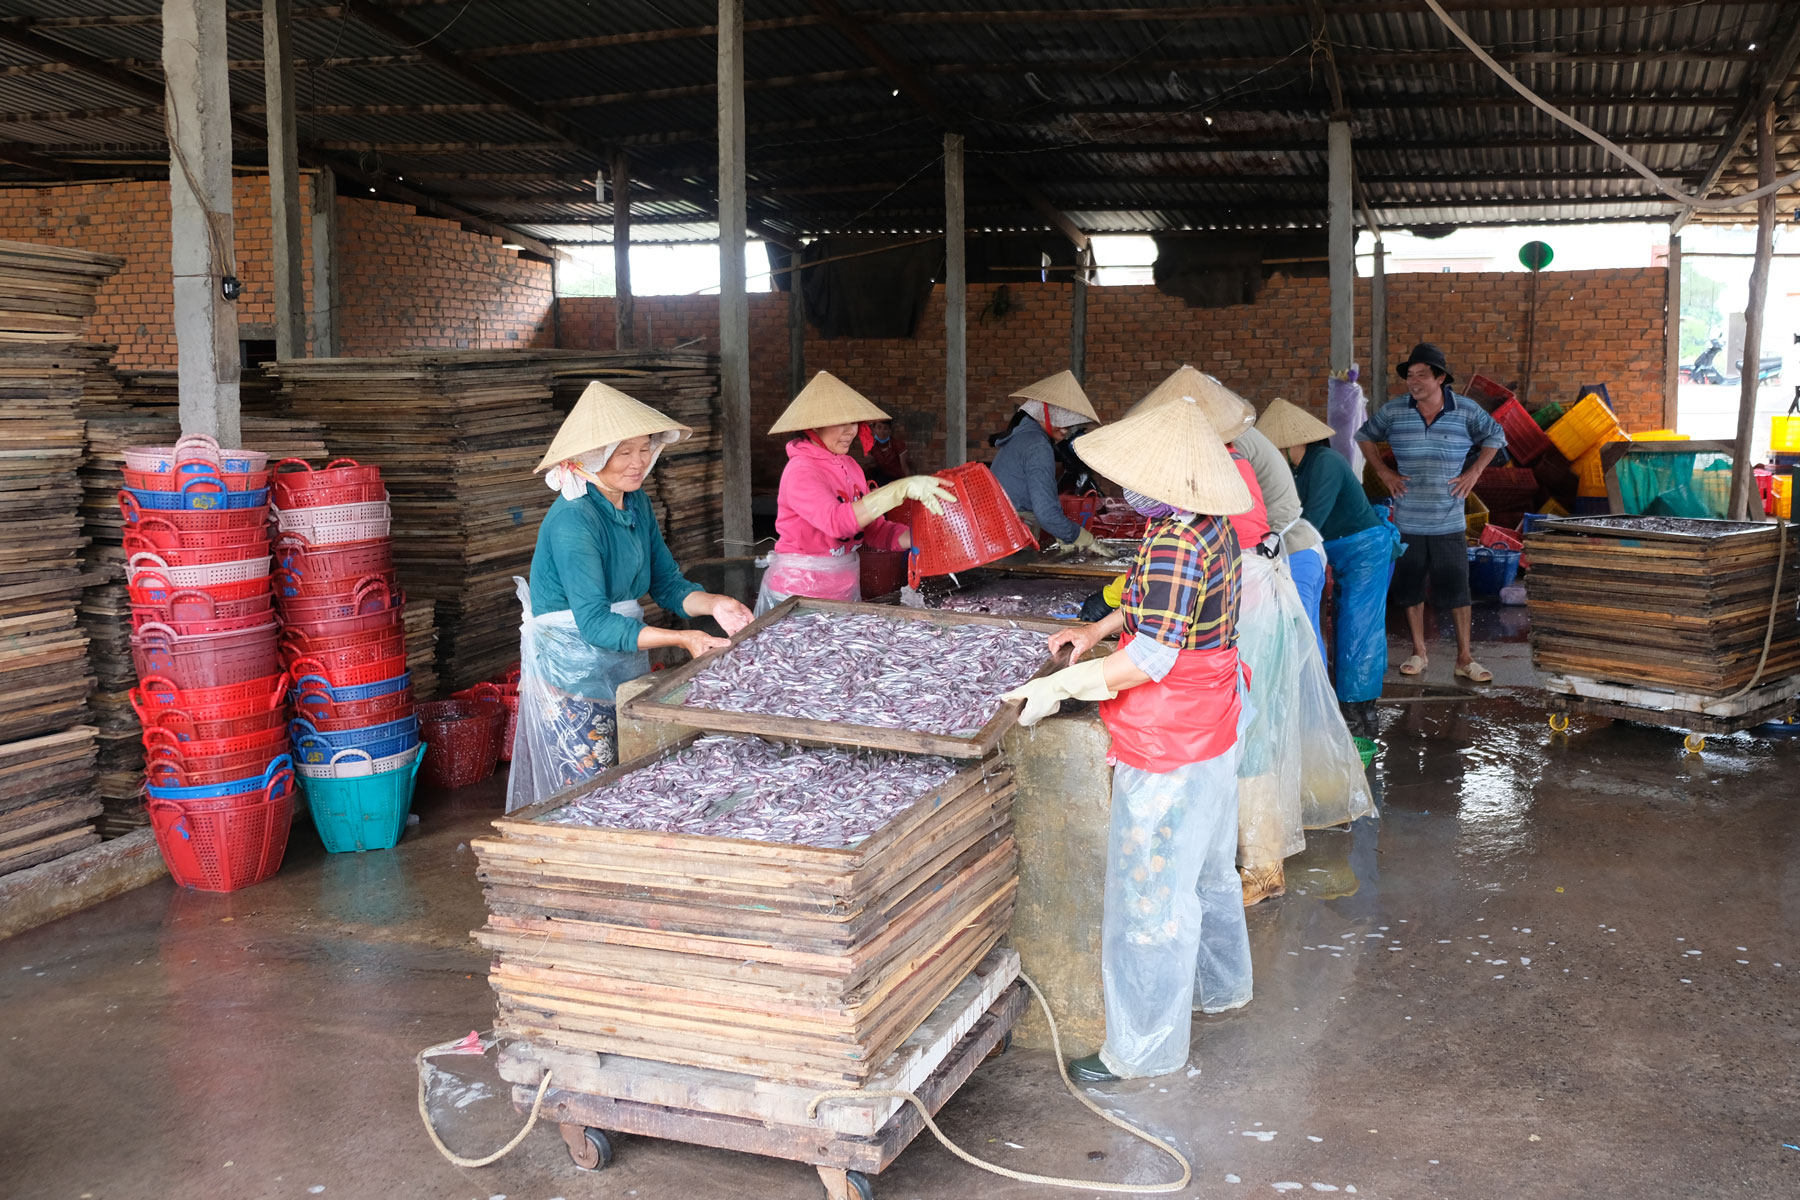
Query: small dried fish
(862, 669)
(746, 787)
(1059, 598)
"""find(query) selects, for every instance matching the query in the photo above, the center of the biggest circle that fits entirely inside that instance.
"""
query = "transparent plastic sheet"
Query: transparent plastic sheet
(1308, 569)
(1363, 564)
(821, 576)
(566, 730)
(1173, 938)
(1273, 639)
(1334, 789)
(1345, 411)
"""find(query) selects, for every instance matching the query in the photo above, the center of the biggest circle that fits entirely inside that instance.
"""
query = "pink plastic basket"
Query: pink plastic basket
(334, 523)
(241, 570)
(205, 660)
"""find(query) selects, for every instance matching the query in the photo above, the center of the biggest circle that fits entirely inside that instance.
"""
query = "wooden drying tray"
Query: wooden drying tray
(1043, 562)
(662, 701)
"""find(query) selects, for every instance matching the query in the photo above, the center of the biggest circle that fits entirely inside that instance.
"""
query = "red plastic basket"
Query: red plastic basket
(302, 488)
(206, 660)
(343, 722)
(1505, 539)
(1080, 509)
(318, 707)
(216, 728)
(338, 561)
(1524, 440)
(979, 528)
(291, 586)
(194, 605)
(340, 677)
(161, 534)
(196, 556)
(387, 618)
(171, 481)
(1507, 489)
(462, 741)
(143, 615)
(1487, 393)
(151, 586)
(156, 692)
(338, 658)
(379, 627)
(370, 595)
(164, 772)
(208, 575)
(194, 520)
(506, 691)
(165, 744)
(223, 849)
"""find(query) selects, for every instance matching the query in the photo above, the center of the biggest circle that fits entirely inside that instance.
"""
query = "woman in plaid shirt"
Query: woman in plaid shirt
(1173, 939)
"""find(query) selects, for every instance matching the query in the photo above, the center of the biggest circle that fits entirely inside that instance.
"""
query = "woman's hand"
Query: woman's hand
(731, 615)
(1079, 640)
(697, 641)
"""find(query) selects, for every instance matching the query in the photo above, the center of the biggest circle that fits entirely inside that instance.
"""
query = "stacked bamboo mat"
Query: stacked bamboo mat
(1662, 602)
(686, 490)
(139, 409)
(47, 750)
(457, 435)
(795, 964)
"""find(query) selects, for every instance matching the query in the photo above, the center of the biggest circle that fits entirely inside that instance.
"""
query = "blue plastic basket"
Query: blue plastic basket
(190, 498)
(365, 812)
(346, 695)
(233, 787)
(311, 746)
(1491, 568)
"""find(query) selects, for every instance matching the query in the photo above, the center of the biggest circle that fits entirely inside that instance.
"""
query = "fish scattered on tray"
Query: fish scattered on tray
(746, 787)
(1014, 597)
(861, 669)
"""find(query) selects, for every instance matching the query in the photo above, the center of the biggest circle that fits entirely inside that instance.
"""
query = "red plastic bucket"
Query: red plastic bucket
(462, 741)
(223, 849)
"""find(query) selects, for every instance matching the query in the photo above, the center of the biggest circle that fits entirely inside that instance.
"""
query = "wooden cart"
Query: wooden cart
(1694, 715)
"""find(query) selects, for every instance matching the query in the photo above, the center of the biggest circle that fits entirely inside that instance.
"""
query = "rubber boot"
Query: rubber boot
(1262, 883)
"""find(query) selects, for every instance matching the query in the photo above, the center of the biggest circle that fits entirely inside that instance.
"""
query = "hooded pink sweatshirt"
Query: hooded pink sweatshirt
(815, 512)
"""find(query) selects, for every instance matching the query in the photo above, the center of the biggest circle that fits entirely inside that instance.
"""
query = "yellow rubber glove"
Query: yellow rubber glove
(1114, 592)
(928, 490)
(1044, 696)
(1083, 541)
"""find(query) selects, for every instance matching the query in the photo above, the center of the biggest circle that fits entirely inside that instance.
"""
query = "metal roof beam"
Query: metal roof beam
(1775, 75)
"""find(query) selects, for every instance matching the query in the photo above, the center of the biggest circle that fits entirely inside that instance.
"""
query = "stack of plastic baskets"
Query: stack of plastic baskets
(211, 688)
(343, 636)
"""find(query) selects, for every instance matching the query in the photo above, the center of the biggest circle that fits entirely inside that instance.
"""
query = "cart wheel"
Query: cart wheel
(1559, 722)
(859, 1183)
(1003, 1046)
(589, 1149)
(1694, 743)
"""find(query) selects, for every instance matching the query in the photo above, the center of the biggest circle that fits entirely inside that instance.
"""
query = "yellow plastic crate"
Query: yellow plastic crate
(1553, 509)
(1583, 427)
(1784, 435)
(1659, 435)
(1475, 516)
(1590, 476)
(1783, 495)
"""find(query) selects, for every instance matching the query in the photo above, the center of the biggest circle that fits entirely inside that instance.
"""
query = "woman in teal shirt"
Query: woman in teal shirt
(598, 551)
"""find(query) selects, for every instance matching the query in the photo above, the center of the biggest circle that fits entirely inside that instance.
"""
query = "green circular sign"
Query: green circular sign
(1536, 255)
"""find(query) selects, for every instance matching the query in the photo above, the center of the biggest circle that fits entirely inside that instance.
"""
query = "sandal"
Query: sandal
(1415, 665)
(1474, 672)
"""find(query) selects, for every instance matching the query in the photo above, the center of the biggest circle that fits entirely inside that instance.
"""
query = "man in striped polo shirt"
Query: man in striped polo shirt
(1442, 443)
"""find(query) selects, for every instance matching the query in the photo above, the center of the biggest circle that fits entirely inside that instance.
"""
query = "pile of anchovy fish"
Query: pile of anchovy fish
(1059, 598)
(745, 787)
(861, 669)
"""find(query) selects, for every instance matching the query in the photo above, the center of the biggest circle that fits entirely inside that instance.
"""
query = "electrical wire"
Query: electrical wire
(1674, 192)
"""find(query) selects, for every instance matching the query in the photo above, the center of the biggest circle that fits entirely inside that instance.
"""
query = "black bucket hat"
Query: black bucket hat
(1431, 356)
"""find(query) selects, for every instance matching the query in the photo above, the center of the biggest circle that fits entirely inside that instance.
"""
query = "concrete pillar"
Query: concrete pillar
(956, 308)
(1078, 300)
(324, 264)
(624, 304)
(1744, 502)
(1341, 236)
(1671, 407)
(284, 180)
(198, 114)
(734, 306)
(1376, 379)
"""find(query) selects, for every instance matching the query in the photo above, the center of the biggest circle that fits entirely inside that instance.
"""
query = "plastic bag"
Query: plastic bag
(567, 729)
(822, 576)
(1334, 788)
(1345, 411)
(1273, 637)
(1363, 564)
(1173, 930)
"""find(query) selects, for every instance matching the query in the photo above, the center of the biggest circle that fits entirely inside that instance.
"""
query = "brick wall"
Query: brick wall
(405, 281)
(1592, 326)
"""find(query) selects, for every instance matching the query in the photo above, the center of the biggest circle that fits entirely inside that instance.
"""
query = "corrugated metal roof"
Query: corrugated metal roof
(1130, 122)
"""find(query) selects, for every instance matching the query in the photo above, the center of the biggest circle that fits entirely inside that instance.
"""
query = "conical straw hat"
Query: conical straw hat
(826, 400)
(605, 415)
(1286, 424)
(1064, 391)
(1229, 412)
(1170, 452)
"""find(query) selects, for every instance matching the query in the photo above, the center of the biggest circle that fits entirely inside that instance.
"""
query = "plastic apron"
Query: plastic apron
(568, 726)
(1173, 937)
(821, 576)
(1363, 564)
(1308, 570)
(1274, 639)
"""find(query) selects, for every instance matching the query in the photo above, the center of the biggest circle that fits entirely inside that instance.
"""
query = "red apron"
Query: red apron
(1189, 716)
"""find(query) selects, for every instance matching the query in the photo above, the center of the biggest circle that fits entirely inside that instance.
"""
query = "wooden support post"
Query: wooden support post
(1531, 302)
(624, 304)
(284, 179)
(734, 307)
(324, 261)
(1078, 300)
(796, 328)
(1741, 477)
(1671, 406)
(1342, 246)
(956, 308)
(197, 112)
(1375, 381)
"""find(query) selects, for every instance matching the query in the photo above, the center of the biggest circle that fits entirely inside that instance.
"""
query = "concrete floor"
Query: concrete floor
(1554, 968)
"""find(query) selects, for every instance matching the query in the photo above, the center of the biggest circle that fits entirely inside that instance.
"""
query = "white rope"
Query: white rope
(425, 1114)
(1675, 193)
(1774, 608)
(1133, 1189)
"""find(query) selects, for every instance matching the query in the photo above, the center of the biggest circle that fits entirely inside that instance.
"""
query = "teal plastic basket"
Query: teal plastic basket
(364, 812)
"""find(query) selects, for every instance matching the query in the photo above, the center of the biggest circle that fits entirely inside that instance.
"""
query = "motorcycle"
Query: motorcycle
(1702, 369)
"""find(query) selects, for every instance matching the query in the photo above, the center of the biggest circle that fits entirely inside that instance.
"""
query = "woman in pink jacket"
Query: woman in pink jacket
(825, 510)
